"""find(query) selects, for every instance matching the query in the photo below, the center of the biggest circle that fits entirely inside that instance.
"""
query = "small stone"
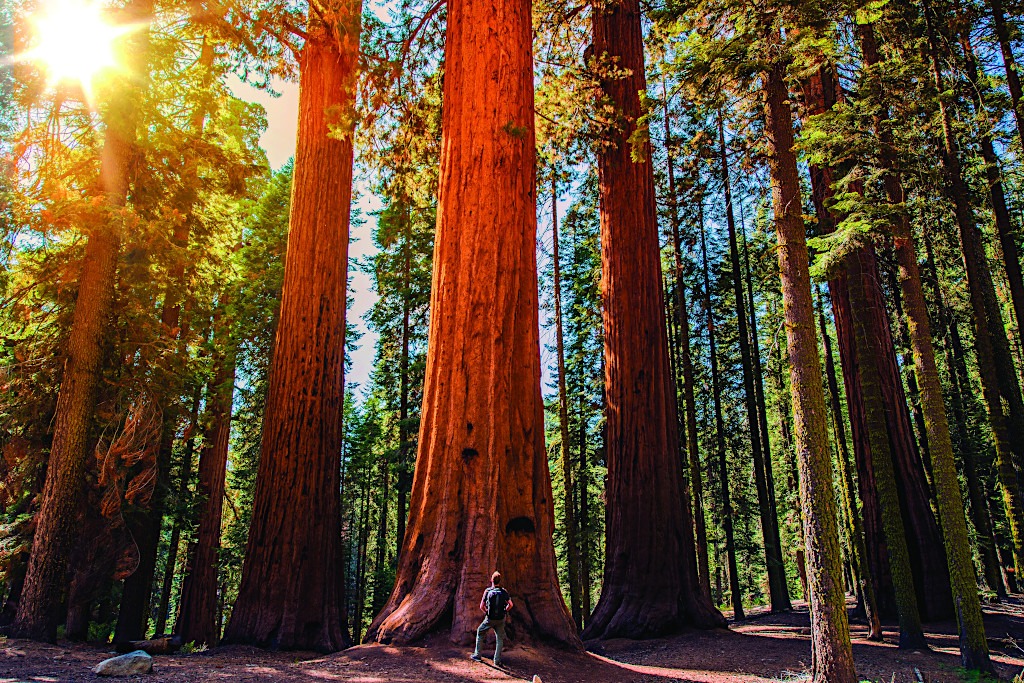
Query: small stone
(536, 679)
(138, 662)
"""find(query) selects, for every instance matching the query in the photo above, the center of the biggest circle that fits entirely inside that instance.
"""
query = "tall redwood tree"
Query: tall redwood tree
(291, 595)
(481, 496)
(651, 584)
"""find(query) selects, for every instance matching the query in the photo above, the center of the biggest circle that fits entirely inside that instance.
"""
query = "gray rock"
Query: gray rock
(138, 662)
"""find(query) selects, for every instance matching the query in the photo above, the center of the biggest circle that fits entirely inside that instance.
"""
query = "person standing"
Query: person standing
(495, 603)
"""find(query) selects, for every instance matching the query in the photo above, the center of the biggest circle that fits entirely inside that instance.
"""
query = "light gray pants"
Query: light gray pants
(499, 634)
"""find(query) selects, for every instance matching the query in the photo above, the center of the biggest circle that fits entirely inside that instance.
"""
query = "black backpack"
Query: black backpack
(497, 603)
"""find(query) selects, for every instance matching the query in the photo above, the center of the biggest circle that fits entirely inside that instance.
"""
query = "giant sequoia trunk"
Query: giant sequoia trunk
(291, 595)
(650, 581)
(45, 581)
(197, 619)
(923, 537)
(831, 653)
(481, 495)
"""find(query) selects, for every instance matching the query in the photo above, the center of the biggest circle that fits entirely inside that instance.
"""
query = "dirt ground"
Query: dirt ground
(763, 648)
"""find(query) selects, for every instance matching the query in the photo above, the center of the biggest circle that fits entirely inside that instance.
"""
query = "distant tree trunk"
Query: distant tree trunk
(380, 590)
(777, 589)
(858, 551)
(292, 595)
(184, 475)
(571, 540)
(979, 280)
(481, 496)
(831, 653)
(583, 483)
(650, 579)
(45, 580)
(964, 443)
(404, 480)
(197, 619)
(1011, 260)
(762, 409)
(146, 524)
(686, 361)
(723, 464)
(1002, 30)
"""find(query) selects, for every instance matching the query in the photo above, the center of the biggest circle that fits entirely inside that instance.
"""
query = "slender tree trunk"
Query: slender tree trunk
(762, 410)
(831, 653)
(651, 584)
(978, 281)
(197, 619)
(723, 464)
(45, 580)
(973, 646)
(481, 496)
(404, 434)
(858, 551)
(963, 442)
(146, 524)
(563, 423)
(1009, 63)
(777, 589)
(291, 594)
(689, 382)
(184, 476)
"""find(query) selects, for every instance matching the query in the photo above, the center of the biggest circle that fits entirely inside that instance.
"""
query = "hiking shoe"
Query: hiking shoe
(498, 664)
(476, 658)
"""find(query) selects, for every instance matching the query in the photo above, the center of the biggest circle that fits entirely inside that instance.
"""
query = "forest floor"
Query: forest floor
(763, 648)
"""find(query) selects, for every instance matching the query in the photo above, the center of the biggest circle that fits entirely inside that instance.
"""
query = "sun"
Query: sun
(73, 42)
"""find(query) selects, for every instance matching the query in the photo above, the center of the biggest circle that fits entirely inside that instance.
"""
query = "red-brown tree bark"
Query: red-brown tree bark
(650, 584)
(481, 496)
(291, 595)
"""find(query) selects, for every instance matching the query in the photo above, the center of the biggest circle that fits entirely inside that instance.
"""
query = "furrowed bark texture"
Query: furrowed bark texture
(291, 595)
(831, 653)
(56, 530)
(481, 496)
(651, 584)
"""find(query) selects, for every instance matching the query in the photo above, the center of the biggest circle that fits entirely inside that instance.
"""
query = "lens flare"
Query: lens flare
(73, 42)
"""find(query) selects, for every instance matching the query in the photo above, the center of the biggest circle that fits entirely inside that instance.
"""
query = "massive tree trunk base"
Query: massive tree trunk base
(481, 499)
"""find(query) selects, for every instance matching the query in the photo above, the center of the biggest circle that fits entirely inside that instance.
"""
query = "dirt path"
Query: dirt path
(764, 648)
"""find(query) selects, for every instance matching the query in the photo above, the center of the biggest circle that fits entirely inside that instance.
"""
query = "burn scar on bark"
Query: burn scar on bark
(522, 525)
(468, 454)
